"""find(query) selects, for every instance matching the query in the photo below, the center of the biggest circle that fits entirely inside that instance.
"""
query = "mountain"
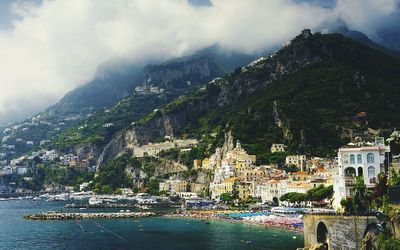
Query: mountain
(379, 43)
(315, 94)
(390, 38)
(179, 74)
(90, 105)
(102, 91)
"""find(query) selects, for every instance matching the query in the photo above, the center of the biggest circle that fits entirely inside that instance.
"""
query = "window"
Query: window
(350, 172)
(370, 158)
(352, 159)
(346, 159)
(371, 171)
(359, 159)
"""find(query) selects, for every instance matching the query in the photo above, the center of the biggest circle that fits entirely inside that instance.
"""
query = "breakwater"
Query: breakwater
(104, 205)
(78, 216)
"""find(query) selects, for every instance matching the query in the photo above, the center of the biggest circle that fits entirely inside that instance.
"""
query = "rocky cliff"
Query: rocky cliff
(309, 95)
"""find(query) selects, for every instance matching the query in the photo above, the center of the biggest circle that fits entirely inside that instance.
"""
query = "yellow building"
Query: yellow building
(299, 176)
(255, 175)
(197, 163)
(173, 186)
(227, 186)
(241, 169)
(240, 155)
(245, 190)
(205, 163)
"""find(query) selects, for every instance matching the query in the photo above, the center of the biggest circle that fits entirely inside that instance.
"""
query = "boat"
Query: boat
(283, 211)
(143, 207)
(95, 201)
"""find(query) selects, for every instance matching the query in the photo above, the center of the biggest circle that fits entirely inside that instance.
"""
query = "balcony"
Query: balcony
(349, 181)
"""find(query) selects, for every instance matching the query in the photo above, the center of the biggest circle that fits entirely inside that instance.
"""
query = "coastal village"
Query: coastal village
(236, 176)
(274, 195)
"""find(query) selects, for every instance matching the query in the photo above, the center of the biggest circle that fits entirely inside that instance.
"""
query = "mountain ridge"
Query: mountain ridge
(314, 57)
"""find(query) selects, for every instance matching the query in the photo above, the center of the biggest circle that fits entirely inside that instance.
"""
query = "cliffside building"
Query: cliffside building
(367, 160)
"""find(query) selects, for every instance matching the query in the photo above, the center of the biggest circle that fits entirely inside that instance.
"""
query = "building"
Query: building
(367, 160)
(255, 175)
(276, 148)
(153, 149)
(173, 186)
(272, 190)
(197, 164)
(205, 163)
(226, 186)
(298, 187)
(299, 176)
(296, 160)
(244, 190)
(197, 188)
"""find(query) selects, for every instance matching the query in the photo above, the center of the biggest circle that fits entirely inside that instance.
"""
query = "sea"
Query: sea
(143, 233)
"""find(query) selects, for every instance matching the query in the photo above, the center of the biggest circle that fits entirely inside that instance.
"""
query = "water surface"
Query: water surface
(144, 233)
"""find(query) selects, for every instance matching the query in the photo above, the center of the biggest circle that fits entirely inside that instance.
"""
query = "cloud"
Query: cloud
(58, 45)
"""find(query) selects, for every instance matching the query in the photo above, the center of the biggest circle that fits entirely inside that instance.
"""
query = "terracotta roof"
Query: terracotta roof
(300, 173)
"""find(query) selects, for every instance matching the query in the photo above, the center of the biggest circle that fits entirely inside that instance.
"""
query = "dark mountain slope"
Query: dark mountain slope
(314, 94)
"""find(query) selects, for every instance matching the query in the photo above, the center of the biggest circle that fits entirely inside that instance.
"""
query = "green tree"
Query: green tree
(361, 202)
(348, 206)
(226, 197)
(320, 193)
(153, 187)
(294, 197)
(394, 177)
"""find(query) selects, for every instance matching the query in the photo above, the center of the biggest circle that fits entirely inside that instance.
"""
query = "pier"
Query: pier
(78, 216)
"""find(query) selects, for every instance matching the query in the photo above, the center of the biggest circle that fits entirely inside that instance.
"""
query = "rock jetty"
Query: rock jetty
(104, 205)
(78, 216)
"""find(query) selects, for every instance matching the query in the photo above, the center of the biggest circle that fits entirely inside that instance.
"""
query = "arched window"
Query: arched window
(350, 172)
(371, 171)
(370, 158)
(352, 159)
(359, 159)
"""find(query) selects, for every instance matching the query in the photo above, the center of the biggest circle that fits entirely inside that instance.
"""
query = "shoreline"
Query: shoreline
(259, 224)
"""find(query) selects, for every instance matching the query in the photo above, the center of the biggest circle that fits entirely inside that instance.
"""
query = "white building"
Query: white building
(366, 161)
(273, 190)
(22, 170)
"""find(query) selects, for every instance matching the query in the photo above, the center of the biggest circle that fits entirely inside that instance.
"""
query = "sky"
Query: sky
(48, 47)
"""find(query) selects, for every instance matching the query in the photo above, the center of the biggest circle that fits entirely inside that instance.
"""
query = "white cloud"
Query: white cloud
(56, 46)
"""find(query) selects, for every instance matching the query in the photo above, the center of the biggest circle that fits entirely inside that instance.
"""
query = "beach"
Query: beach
(287, 223)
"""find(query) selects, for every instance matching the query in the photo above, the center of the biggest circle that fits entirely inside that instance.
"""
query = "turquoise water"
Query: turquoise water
(146, 233)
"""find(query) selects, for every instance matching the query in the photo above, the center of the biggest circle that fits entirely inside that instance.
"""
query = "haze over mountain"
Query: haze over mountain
(50, 47)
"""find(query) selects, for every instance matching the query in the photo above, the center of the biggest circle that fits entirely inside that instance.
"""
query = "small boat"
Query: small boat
(143, 207)
(95, 201)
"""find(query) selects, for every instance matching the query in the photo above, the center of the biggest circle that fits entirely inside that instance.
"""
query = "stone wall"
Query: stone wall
(344, 232)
